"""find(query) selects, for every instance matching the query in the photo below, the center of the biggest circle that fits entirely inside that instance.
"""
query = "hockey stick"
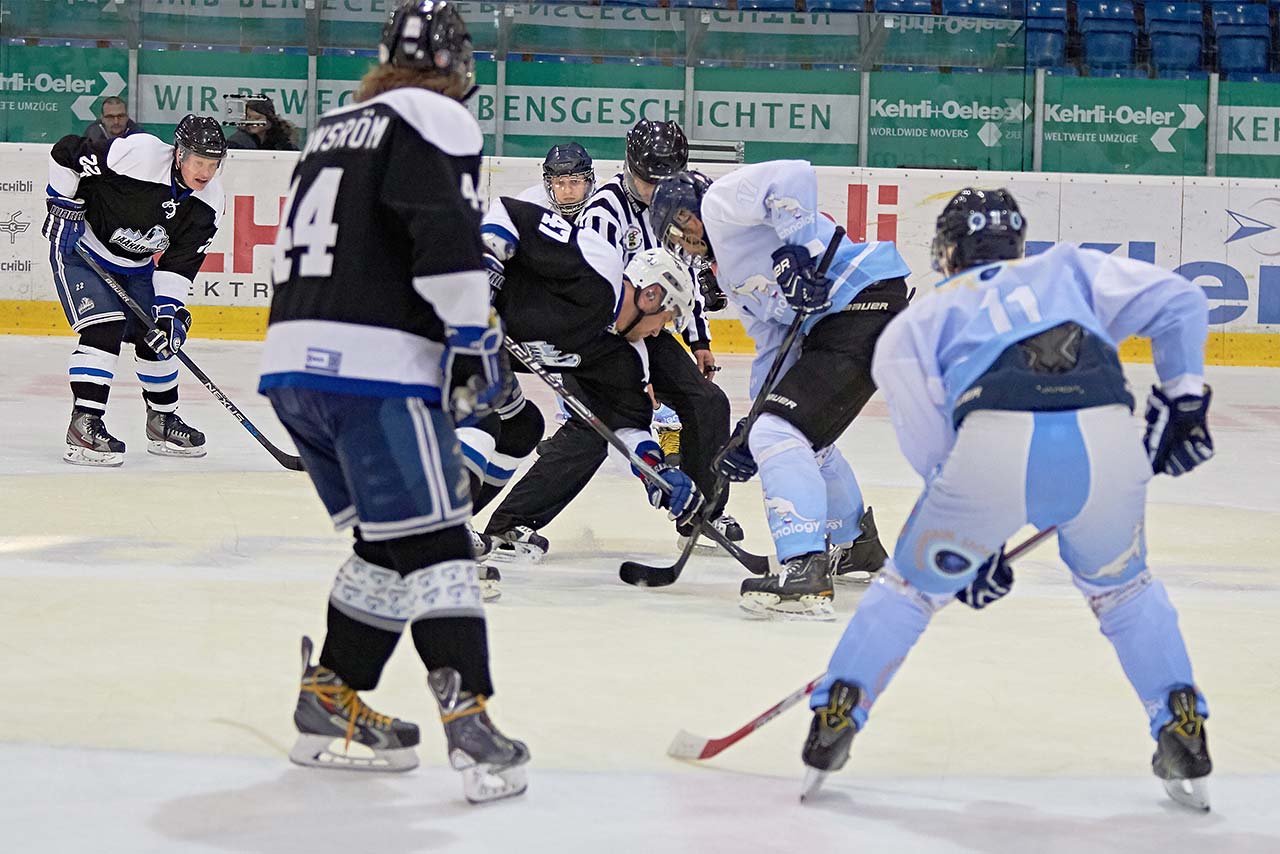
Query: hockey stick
(285, 459)
(686, 745)
(750, 561)
(643, 575)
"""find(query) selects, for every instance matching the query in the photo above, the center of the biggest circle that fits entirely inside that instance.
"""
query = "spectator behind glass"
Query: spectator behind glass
(263, 129)
(113, 121)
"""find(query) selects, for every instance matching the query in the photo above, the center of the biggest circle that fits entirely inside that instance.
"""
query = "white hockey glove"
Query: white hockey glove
(477, 375)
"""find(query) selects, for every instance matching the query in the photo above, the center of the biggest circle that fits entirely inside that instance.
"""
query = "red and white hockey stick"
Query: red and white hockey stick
(687, 745)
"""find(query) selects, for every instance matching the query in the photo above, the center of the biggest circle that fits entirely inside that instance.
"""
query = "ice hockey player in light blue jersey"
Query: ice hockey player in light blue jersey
(1007, 396)
(761, 227)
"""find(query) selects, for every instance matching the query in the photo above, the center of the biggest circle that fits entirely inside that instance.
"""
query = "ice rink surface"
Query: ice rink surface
(150, 619)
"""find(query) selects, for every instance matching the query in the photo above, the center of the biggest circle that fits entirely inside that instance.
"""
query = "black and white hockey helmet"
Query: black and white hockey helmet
(568, 158)
(656, 150)
(430, 36)
(200, 135)
(659, 267)
(978, 227)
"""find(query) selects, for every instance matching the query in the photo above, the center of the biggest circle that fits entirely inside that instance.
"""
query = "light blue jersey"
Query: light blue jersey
(750, 213)
(936, 349)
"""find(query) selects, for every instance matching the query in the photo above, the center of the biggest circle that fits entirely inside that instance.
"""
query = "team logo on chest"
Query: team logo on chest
(170, 208)
(632, 238)
(132, 240)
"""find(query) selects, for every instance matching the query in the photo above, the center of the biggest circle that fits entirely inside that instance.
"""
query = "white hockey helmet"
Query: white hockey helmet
(661, 267)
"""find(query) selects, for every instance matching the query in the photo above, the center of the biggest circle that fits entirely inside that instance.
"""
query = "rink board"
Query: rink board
(1220, 232)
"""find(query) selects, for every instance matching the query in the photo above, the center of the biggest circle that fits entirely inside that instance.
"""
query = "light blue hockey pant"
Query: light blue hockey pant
(1084, 471)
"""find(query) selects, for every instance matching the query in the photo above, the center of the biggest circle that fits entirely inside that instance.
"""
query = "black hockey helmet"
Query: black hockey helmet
(429, 36)
(681, 192)
(568, 158)
(656, 150)
(978, 227)
(200, 135)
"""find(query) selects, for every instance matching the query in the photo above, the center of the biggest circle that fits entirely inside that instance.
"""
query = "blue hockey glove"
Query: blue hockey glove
(683, 502)
(1177, 436)
(805, 290)
(173, 321)
(735, 461)
(477, 375)
(993, 581)
(64, 225)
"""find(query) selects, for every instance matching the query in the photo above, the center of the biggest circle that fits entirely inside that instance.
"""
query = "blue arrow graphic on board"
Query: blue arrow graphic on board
(1248, 226)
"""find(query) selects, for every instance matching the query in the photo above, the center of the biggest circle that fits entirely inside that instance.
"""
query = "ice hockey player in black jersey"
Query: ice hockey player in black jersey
(565, 296)
(618, 212)
(125, 201)
(381, 339)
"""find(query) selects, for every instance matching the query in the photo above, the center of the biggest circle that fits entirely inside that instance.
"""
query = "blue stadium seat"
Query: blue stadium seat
(1243, 14)
(906, 7)
(767, 5)
(1175, 51)
(910, 69)
(1054, 10)
(1046, 43)
(1252, 77)
(1065, 71)
(1108, 50)
(1175, 18)
(1111, 16)
(1165, 74)
(698, 4)
(837, 6)
(1122, 73)
(1242, 49)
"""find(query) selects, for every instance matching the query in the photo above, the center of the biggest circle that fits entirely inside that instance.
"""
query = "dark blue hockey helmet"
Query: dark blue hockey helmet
(676, 213)
(572, 160)
(978, 227)
(430, 36)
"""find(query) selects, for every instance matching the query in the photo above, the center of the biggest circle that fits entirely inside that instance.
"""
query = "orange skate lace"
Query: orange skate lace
(343, 697)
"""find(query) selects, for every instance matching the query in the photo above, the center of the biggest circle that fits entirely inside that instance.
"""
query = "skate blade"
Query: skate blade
(483, 783)
(79, 456)
(1191, 793)
(164, 449)
(856, 576)
(490, 591)
(322, 751)
(515, 553)
(813, 778)
(768, 606)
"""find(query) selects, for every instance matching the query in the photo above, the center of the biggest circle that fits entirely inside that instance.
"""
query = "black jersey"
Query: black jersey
(562, 294)
(136, 208)
(623, 221)
(379, 249)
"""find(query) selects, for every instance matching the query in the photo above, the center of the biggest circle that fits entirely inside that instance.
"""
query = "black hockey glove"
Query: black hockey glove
(173, 321)
(805, 290)
(64, 225)
(477, 373)
(993, 581)
(712, 296)
(1177, 436)
(735, 461)
(683, 501)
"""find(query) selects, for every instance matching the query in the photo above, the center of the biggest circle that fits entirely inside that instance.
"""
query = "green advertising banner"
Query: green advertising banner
(1148, 127)
(1248, 135)
(49, 92)
(949, 121)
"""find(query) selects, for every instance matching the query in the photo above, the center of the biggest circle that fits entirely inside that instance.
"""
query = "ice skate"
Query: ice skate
(169, 436)
(337, 730)
(860, 560)
(830, 736)
(89, 443)
(492, 765)
(801, 591)
(490, 582)
(1181, 760)
(520, 544)
(724, 523)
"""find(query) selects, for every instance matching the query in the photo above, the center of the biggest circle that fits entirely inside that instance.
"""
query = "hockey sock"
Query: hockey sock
(92, 365)
(1143, 628)
(458, 642)
(159, 378)
(356, 651)
(889, 620)
(844, 497)
(795, 497)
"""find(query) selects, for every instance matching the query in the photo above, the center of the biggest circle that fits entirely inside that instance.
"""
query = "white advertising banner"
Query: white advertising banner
(1222, 233)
